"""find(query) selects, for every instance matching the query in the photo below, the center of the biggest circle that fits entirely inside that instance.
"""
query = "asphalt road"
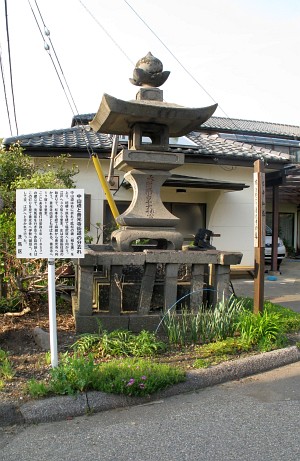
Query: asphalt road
(257, 418)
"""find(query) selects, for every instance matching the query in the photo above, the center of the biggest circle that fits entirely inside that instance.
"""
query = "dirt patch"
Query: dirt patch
(16, 337)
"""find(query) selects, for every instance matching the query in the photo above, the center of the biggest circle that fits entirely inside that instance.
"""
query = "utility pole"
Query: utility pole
(259, 235)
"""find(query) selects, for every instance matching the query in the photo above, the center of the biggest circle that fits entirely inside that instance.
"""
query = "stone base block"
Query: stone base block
(168, 239)
(134, 323)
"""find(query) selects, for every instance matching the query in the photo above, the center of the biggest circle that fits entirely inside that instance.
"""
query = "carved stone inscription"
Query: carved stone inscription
(149, 197)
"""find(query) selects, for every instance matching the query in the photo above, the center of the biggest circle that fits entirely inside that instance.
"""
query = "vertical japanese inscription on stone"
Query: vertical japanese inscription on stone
(149, 197)
(50, 223)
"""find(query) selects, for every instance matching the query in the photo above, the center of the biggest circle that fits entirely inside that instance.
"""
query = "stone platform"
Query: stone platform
(107, 269)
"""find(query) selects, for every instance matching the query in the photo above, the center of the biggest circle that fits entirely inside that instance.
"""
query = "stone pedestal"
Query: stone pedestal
(204, 265)
(147, 217)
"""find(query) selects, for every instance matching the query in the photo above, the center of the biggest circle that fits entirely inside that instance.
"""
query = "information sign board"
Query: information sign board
(50, 223)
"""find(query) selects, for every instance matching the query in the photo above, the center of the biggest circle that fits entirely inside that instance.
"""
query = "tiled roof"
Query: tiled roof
(251, 126)
(208, 146)
(213, 145)
(70, 138)
(82, 119)
(224, 124)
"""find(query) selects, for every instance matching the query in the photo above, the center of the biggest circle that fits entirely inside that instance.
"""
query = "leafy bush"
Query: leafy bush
(18, 277)
(265, 330)
(120, 343)
(136, 377)
(290, 319)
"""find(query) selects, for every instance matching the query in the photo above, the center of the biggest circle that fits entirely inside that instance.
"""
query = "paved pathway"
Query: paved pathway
(257, 418)
(285, 290)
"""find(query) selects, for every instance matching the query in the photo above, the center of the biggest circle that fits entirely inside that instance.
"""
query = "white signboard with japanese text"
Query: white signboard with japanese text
(50, 223)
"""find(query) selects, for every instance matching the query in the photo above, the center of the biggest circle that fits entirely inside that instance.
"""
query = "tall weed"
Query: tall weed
(6, 369)
(206, 325)
(264, 330)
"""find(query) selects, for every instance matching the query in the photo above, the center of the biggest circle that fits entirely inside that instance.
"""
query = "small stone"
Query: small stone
(42, 338)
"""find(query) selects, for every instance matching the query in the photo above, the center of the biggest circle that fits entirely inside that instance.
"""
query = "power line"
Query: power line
(179, 62)
(61, 77)
(5, 94)
(107, 33)
(171, 53)
(47, 48)
(47, 33)
(10, 67)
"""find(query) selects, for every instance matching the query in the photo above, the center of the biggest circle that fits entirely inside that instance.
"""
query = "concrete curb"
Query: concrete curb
(65, 407)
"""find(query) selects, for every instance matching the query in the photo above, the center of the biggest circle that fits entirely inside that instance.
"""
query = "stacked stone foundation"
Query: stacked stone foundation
(132, 290)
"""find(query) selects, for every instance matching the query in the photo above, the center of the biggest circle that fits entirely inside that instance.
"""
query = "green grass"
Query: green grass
(218, 335)
(131, 376)
(6, 369)
(220, 351)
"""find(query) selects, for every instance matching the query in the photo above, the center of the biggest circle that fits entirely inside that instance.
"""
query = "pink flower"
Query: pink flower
(130, 382)
(144, 378)
(142, 386)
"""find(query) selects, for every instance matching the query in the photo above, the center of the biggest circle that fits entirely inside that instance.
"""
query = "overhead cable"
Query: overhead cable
(47, 47)
(47, 34)
(5, 94)
(89, 149)
(61, 77)
(180, 63)
(10, 67)
(106, 32)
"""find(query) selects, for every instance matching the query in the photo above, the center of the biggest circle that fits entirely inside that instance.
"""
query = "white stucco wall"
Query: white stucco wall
(229, 213)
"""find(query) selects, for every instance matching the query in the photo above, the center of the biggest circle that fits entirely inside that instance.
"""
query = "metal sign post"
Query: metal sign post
(259, 235)
(50, 224)
(52, 312)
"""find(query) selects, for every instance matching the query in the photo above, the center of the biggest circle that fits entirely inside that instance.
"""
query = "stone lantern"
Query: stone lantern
(149, 122)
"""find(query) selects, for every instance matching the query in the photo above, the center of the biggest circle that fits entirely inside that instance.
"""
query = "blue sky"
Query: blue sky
(244, 53)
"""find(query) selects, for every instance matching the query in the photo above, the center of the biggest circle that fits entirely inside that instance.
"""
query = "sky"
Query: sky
(242, 54)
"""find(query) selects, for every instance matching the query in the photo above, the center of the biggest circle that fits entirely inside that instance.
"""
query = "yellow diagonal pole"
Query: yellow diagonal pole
(105, 186)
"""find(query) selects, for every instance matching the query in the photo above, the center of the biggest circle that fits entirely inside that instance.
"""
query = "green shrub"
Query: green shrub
(290, 319)
(120, 343)
(264, 330)
(37, 388)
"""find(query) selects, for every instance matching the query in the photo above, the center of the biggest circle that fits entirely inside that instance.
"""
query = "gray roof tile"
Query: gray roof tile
(208, 146)
(251, 126)
(214, 145)
(227, 124)
(70, 138)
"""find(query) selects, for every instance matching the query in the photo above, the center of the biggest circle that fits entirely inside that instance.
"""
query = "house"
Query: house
(281, 138)
(213, 189)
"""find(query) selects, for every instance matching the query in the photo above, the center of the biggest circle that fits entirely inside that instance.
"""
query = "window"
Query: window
(286, 226)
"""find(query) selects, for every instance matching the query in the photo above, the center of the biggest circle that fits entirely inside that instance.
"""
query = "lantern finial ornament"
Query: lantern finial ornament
(149, 72)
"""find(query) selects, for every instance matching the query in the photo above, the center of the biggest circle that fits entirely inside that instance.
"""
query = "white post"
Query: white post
(52, 312)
